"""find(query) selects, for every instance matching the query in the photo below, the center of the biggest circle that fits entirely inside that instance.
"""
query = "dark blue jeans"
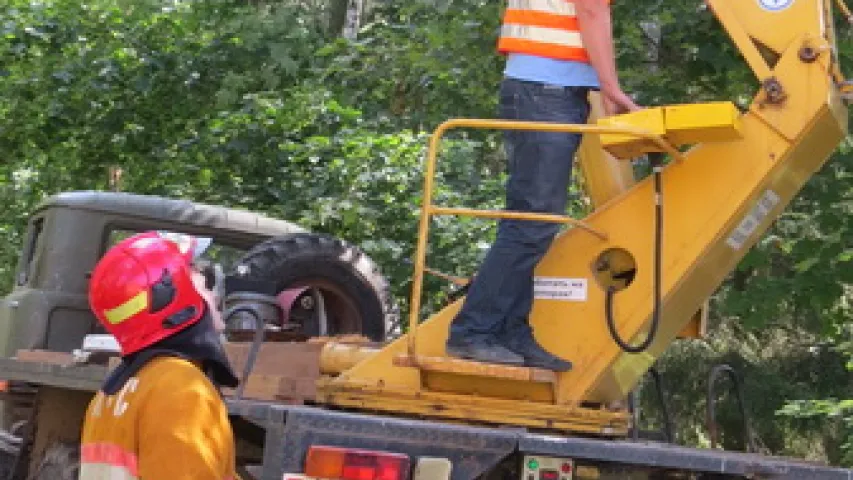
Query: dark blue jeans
(540, 168)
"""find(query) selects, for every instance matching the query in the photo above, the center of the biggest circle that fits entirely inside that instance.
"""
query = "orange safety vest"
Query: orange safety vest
(546, 28)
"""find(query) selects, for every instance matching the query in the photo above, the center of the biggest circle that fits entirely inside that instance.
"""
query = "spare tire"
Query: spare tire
(356, 296)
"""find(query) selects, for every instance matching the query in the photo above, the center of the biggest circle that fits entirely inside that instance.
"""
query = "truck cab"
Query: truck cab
(67, 234)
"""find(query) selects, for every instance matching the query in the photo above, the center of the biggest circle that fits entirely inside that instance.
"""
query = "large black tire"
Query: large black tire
(356, 294)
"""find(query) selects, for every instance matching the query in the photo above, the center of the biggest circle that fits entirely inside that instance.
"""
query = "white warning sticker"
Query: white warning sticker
(775, 5)
(753, 219)
(555, 288)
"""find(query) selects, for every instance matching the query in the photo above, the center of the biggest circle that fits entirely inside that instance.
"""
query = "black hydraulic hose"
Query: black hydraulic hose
(657, 168)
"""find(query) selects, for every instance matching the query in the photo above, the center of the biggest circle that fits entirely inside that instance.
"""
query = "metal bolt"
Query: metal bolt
(774, 90)
(808, 54)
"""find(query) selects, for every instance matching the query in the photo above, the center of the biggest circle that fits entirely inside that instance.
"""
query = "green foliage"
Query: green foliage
(419, 64)
(260, 107)
(251, 107)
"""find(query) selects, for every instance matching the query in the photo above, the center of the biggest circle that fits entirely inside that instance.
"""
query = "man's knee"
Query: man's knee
(532, 237)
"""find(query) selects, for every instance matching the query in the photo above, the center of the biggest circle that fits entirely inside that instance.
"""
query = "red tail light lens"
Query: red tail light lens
(352, 464)
(358, 466)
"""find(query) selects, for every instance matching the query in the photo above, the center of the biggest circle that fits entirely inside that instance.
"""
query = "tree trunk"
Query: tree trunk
(337, 16)
(345, 17)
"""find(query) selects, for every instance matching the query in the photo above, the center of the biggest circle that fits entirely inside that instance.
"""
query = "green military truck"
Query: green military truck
(69, 232)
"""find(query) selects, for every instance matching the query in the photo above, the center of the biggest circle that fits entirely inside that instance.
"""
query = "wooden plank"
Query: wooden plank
(276, 388)
(478, 369)
(289, 359)
(350, 339)
(45, 356)
(284, 372)
(285, 336)
(259, 387)
(296, 390)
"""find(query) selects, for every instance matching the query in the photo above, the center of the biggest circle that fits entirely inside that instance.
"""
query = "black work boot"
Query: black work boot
(485, 350)
(534, 355)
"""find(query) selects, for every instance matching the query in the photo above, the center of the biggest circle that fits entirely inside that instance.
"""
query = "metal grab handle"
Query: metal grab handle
(716, 372)
(668, 426)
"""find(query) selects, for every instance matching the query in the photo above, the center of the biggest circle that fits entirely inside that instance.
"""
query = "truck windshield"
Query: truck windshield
(218, 252)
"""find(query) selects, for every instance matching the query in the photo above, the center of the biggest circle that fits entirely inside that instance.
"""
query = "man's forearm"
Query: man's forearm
(597, 35)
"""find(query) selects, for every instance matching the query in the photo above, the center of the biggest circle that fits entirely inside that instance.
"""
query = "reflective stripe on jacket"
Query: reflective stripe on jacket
(107, 461)
(546, 28)
(167, 422)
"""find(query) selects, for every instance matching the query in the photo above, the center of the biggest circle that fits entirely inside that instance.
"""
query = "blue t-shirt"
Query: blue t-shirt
(564, 73)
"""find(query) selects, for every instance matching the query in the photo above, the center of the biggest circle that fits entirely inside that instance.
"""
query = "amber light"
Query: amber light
(352, 464)
(325, 462)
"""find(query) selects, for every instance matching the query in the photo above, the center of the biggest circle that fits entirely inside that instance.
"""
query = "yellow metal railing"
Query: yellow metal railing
(428, 209)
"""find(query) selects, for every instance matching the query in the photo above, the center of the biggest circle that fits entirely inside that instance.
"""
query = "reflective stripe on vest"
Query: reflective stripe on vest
(547, 28)
(107, 461)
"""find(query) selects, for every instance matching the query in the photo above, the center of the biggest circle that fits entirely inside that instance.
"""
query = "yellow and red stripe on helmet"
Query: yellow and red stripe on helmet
(137, 304)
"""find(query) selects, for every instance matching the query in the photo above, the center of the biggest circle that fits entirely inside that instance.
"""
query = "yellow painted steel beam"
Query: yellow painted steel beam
(749, 24)
(679, 125)
(741, 29)
(604, 176)
(480, 409)
(697, 327)
(455, 366)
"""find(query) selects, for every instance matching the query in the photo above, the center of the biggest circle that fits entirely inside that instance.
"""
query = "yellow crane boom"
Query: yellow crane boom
(717, 197)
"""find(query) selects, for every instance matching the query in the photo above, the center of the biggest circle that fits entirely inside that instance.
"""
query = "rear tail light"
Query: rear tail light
(352, 464)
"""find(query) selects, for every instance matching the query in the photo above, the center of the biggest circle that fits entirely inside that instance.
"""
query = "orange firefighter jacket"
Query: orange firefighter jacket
(168, 422)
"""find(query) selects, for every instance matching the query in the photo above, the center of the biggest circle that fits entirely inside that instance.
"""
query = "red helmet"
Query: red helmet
(142, 291)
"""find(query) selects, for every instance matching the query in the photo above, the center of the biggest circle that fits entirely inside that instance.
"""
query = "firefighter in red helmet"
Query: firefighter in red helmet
(159, 414)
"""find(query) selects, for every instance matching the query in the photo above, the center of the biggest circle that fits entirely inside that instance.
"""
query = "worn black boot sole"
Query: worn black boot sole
(555, 364)
(485, 354)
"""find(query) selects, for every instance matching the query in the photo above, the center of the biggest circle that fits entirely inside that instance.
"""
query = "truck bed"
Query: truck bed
(291, 429)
